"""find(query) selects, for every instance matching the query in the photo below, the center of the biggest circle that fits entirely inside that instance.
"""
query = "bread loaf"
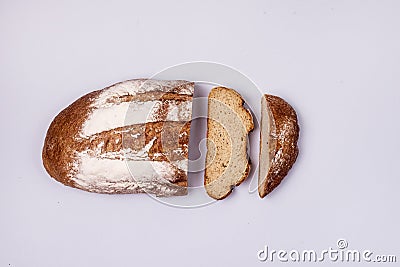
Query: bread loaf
(278, 142)
(228, 125)
(131, 137)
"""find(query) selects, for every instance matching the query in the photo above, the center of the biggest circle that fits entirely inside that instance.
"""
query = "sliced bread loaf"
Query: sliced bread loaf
(228, 125)
(131, 137)
(278, 142)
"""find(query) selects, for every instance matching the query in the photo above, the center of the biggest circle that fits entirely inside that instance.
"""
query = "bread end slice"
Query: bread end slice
(278, 142)
(228, 125)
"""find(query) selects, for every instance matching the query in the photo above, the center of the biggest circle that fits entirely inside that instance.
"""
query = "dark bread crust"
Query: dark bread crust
(285, 134)
(63, 138)
(60, 145)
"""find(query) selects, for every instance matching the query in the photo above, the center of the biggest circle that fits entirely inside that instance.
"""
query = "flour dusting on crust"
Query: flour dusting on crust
(101, 169)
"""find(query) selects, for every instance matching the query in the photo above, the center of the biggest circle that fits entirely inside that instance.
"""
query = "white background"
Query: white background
(336, 62)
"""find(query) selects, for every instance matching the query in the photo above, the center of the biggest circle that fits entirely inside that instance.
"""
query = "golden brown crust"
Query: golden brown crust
(284, 134)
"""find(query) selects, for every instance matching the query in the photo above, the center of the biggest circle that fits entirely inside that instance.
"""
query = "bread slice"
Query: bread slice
(131, 137)
(228, 125)
(278, 142)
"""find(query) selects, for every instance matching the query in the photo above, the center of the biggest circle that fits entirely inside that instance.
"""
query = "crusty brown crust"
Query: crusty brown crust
(171, 139)
(285, 134)
(59, 145)
(249, 128)
(63, 139)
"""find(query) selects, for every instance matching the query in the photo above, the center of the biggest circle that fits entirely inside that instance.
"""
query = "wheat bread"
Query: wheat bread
(131, 137)
(228, 125)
